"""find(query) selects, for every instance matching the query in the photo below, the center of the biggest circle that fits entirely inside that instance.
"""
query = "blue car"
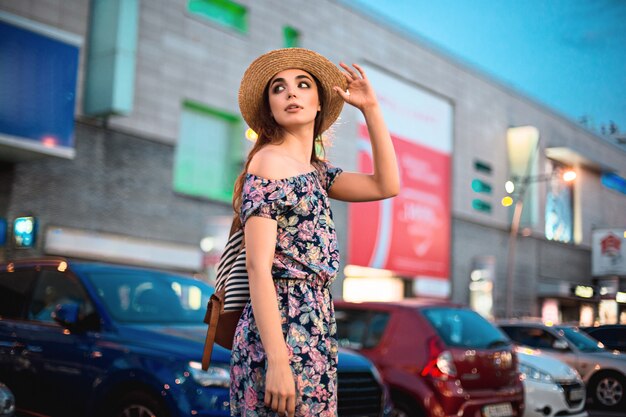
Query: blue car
(88, 339)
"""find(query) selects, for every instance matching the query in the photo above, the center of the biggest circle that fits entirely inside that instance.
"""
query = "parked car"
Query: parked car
(438, 358)
(612, 336)
(603, 371)
(7, 401)
(551, 387)
(88, 339)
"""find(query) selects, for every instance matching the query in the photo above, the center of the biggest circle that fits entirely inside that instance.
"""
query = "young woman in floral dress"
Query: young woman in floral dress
(284, 356)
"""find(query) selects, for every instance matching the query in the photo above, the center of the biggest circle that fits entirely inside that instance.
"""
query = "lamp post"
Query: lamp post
(522, 183)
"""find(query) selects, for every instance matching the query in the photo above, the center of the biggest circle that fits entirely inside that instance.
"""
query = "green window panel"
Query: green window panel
(225, 12)
(482, 166)
(110, 73)
(291, 37)
(208, 154)
(480, 205)
(481, 186)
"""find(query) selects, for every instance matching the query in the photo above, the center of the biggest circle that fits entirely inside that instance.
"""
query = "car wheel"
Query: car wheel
(139, 404)
(608, 390)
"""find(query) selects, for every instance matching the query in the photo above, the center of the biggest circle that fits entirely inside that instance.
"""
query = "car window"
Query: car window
(358, 329)
(142, 296)
(535, 337)
(610, 336)
(54, 288)
(14, 288)
(583, 342)
(464, 328)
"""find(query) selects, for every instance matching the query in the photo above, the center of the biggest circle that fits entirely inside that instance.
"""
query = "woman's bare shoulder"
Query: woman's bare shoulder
(269, 163)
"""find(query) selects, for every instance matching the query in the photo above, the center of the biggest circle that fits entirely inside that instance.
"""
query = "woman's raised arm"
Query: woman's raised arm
(384, 182)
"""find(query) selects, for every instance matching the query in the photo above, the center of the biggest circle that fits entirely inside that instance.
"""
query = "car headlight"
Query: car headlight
(215, 376)
(535, 374)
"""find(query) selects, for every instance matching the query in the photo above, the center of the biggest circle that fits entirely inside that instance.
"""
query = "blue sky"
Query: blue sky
(567, 54)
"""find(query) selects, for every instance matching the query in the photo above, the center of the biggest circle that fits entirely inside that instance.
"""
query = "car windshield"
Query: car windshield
(465, 328)
(583, 342)
(144, 296)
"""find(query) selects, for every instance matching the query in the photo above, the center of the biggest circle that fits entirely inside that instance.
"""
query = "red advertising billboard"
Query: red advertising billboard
(410, 233)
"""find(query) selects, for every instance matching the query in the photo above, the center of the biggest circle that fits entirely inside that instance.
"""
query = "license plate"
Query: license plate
(576, 394)
(498, 410)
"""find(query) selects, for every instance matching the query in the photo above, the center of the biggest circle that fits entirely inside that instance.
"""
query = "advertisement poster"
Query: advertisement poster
(409, 234)
(608, 252)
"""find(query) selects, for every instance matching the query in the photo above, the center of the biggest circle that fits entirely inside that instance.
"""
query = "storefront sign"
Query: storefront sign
(583, 291)
(409, 234)
(608, 252)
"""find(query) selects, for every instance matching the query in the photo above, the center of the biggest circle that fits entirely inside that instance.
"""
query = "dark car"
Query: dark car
(85, 339)
(438, 359)
(612, 336)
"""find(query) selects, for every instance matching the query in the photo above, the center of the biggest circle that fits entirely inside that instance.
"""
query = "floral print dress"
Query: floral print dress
(305, 263)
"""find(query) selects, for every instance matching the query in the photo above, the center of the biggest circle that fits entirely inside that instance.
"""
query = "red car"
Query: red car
(438, 359)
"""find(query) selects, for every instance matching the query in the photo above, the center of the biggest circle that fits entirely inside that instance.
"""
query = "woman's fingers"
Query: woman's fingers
(352, 75)
(282, 403)
(358, 67)
(345, 96)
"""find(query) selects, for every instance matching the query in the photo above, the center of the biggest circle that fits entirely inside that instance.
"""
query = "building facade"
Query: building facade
(144, 173)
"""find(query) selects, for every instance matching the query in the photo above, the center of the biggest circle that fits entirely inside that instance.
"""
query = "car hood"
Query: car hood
(560, 371)
(352, 362)
(186, 341)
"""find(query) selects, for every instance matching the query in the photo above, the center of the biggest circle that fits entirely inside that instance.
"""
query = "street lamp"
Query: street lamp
(521, 185)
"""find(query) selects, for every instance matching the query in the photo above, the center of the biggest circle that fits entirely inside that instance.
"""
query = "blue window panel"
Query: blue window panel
(37, 88)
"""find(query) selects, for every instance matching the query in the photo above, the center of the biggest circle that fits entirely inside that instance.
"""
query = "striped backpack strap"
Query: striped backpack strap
(231, 251)
(232, 274)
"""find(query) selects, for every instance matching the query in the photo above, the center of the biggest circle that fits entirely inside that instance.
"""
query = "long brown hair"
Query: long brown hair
(271, 132)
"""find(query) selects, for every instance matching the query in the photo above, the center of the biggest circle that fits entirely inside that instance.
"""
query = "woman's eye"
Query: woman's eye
(304, 84)
(278, 89)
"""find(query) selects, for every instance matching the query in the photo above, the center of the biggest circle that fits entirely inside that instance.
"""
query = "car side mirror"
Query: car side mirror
(560, 345)
(66, 314)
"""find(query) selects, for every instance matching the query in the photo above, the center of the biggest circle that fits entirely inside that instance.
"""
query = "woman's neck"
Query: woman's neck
(299, 145)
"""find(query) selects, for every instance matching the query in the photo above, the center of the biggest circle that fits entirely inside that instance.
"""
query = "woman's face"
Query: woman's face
(293, 98)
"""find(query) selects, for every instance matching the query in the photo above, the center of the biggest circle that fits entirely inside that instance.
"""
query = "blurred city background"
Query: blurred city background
(120, 140)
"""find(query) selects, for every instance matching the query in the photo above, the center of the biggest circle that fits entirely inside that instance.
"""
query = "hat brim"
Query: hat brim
(262, 69)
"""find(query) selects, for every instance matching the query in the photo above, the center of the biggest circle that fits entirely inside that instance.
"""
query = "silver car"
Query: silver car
(603, 371)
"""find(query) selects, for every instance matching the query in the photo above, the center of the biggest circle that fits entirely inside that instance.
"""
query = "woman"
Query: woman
(284, 353)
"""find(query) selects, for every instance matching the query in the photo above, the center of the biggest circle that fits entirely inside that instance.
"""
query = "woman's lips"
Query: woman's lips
(292, 108)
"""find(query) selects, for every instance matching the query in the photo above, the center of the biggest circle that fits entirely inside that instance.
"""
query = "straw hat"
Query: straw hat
(262, 69)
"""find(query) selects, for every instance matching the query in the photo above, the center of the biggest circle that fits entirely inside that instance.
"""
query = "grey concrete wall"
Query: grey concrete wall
(117, 183)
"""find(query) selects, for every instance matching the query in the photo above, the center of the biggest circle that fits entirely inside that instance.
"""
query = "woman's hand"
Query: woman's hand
(360, 93)
(280, 388)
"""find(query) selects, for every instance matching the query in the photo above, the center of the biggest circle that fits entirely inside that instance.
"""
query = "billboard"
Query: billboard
(409, 234)
(38, 74)
(608, 252)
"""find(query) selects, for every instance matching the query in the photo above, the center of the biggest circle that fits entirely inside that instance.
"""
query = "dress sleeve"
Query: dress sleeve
(330, 175)
(265, 198)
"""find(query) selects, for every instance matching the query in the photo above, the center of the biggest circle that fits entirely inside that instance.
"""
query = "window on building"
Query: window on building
(225, 12)
(559, 213)
(208, 155)
(291, 37)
